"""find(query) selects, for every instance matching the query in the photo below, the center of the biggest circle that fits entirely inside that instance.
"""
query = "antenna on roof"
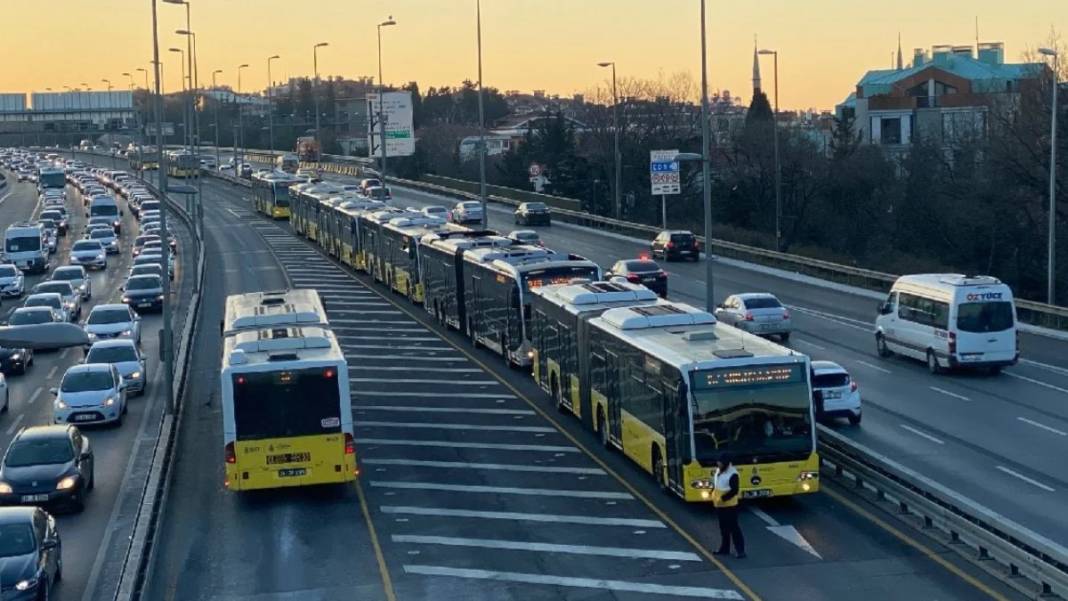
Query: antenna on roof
(976, 35)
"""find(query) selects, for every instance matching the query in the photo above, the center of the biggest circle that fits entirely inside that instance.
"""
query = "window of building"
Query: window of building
(890, 130)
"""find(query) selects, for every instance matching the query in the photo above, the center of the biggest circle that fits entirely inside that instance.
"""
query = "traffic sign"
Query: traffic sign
(664, 174)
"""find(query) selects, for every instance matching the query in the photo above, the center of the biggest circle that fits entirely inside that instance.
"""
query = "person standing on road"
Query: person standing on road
(725, 498)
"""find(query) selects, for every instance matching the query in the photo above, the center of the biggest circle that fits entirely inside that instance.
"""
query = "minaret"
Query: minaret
(900, 60)
(756, 68)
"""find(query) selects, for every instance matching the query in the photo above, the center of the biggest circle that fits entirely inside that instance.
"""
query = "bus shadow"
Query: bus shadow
(324, 495)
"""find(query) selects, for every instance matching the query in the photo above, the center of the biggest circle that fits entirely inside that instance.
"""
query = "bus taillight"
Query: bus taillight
(329, 373)
(228, 451)
(350, 444)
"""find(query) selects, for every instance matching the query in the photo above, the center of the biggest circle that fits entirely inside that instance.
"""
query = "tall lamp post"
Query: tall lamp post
(1051, 271)
(145, 71)
(240, 121)
(778, 164)
(618, 158)
(215, 88)
(107, 82)
(315, 86)
(270, 101)
(481, 121)
(188, 56)
(129, 75)
(165, 343)
(185, 109)
(706, 168)
(194, 87)
(381, 102)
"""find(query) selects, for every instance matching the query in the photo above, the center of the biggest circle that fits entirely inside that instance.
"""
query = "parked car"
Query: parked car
(533, 213)
(47, 465)
(834, 393)
(757, 313)
(31, 552)
(676, 244)
(90, 393)
(641, 271)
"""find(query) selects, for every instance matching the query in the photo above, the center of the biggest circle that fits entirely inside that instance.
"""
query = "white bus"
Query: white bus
(279, 308)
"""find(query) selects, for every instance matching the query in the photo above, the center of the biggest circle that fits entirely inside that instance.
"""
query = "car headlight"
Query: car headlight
(135, 375)
(126, 333)
(16, 356)
(5, 488)
(160, 297)
(125, 299)
(25, 585)
(67, 483)
(60, 404)
(109, 401)
(100, 257)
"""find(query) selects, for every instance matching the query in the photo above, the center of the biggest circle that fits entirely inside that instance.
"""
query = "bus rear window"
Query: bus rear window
(281, 404)
(984, 317)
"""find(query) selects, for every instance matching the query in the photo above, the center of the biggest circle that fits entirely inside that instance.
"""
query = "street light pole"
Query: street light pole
(185, 108)
(240, 124)
(270, 102)
(706, 169)
(215, 89)
(381, 105)
(618, 158)
(315, 88)
(481, 122)
(778, 163)
(194, 86)
(1051, 271)
(107, 82)
(165, 344)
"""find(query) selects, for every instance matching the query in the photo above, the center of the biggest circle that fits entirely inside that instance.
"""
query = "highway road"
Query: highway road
(472, 488)
(94, 541)
(1000, 440)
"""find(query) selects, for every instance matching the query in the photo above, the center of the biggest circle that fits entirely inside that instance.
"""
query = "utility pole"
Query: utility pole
(165, 344)
(706, 169)
(270, 102)
(381, 104)
(481, 123)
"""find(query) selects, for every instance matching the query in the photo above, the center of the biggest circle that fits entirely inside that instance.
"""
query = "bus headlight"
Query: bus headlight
(804, 476)
(703, 484)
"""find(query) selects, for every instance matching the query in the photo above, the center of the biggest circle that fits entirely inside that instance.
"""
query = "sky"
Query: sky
(824, 46)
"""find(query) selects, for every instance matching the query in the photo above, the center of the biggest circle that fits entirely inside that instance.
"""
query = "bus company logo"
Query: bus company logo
(983, 296)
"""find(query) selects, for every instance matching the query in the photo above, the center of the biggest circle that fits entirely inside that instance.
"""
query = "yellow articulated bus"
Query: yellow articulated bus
(441, 258)
(270, 194)
(306, 206)
(348, 215)
(287, 418)
(183, 164)
(399, 250)
(674, 390)
(369, 226)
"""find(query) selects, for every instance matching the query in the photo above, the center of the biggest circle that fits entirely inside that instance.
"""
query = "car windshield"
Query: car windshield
(8, 271)
(831, 380)
(67, 274)
(85, 381)
(142, 283)
(102, 209)
(24, 318)
(23, 244)
(641, 266)
(147, 269)
(681, 237)
(107, 316)
(16, 539)
(63, 288)
(98, 234)
(526, 236)
(111, 354)
(762, 302)
(85, 246)
(44, 301)
(536, 206)
(37, 451)
(985, 317)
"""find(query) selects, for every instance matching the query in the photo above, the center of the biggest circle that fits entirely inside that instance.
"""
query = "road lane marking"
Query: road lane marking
(15, 423)
(1043, 426)
(873, 366)
(33, 397)
(845, 321)
(1034, 381)
(519, 545)
(386, 347)
(522, 517)
(1046, 366)
(440, 426)
(449, 370)
(922, 434)
(465, 410)
(424, 381)
(236, 214)
(570, 581)
(64, 352)
(454, 359)
(504, 490)
(948, 393)
(467, 445)
(364, 322)
(377, 329)
(1020, 476)
(422, 395)
(404, 338)
(383, 569)
(810, 344)
(539, 469)
(52, 372)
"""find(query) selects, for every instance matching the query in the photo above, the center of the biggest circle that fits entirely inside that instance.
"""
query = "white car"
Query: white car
(89, 253)
(50, 300)
(436, 211)
(78, 278)
(123, 354)
(834, 392)
(5, 392)
(757, 313)
(12, 282)
(90, 393)
(109, 321)
(106, 237)
(468, 211)
(72, 299)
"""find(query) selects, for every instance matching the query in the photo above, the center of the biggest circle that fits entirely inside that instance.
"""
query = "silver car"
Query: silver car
(757, 313)
(90, 393)
(110, 321)
(78, 278)
(123, 354)
(89, 253)
(12, 282)
(72, 299)
(106, 237)
(51, 300)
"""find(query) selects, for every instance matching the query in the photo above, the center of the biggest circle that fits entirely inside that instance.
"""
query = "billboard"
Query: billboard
(396, 111)
(664, 172)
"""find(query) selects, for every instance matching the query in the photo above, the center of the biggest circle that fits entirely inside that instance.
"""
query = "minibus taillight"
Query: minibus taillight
(350, 444)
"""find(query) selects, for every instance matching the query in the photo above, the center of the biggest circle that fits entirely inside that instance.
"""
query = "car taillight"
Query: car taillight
(853, 386)
(350, 444)
(749, 316)
(228, 451)
(786, 314)
(952, 343)
(661, 275)
(671, 245)
(633, 278)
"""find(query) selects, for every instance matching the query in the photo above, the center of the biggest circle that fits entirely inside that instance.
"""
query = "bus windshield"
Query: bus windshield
(559, 275)
(282, 404)
(23, 244)
(750, 412)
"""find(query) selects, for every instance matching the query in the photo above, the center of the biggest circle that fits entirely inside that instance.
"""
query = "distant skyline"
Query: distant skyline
(825, 46)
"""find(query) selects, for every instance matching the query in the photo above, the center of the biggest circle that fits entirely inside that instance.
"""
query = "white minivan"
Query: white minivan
(949, 321)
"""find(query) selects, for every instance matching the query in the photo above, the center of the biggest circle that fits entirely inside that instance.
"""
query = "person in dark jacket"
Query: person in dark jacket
(725, 498)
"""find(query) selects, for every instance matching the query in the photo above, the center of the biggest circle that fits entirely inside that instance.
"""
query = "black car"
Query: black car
(31, 554)
(533, 213)
(143, 293)
(15, 360)
(47, 465)
(676, 244)
(641, 271)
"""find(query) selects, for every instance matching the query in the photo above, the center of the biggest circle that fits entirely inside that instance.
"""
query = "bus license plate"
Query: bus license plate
(289, 458)
(291, 472)
(756, 494)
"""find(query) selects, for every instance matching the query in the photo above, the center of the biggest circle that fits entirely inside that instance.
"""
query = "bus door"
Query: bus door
(615, 422)
(675, 436)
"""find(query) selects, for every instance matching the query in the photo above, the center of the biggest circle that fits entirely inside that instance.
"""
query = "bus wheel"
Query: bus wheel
(602, 429)
(658, 469)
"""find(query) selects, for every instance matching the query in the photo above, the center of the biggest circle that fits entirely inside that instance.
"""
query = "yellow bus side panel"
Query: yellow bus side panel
(400, 280)
(638, 441)
(328, 463)
(600, 406)
(346, 254)
(576, 397)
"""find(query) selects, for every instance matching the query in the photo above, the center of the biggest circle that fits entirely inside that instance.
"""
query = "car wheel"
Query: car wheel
(932, 363)
(854, 420)
(880, 347)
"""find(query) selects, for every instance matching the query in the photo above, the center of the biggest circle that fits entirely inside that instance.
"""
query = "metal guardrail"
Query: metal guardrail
(1029, 562)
